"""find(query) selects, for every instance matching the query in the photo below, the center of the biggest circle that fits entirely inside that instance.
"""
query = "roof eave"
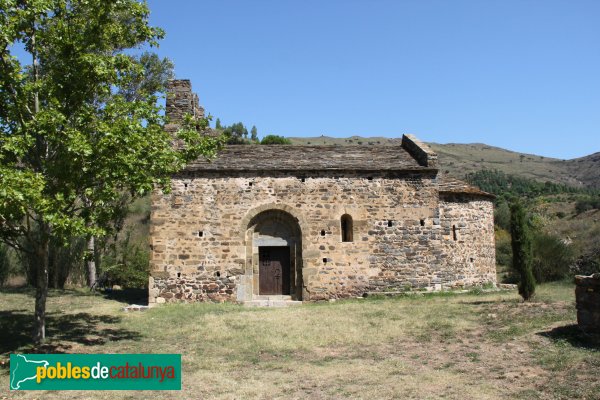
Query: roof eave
(480, 194)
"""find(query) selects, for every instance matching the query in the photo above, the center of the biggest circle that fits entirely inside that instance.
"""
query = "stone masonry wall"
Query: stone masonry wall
(402, 234)
(181, 101)
(428, 254)
(587, 294)
(467, 236)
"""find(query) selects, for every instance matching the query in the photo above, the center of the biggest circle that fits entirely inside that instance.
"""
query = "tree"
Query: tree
(152, 79)
(236, 133)
(218, 124)
(275, 139)
(521, 247)
(502, 215)
(72, 139)
(254, 134)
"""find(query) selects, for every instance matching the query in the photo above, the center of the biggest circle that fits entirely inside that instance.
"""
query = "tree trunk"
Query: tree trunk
(53, 272)
(41, 291)
(91, 261)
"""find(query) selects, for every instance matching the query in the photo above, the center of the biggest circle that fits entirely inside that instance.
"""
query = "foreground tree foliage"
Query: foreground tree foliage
(521, 247)
(77, 129)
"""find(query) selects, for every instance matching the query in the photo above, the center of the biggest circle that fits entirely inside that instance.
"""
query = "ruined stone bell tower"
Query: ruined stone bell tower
(181, 101)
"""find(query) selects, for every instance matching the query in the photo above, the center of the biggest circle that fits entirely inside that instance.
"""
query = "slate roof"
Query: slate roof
(292, 158)
(451, 185)
(310, 158)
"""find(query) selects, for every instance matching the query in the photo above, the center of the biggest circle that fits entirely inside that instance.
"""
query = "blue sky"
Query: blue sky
(523, 75)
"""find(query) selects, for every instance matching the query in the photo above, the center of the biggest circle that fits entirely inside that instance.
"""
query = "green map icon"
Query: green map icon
(23, 369)
(95, 372)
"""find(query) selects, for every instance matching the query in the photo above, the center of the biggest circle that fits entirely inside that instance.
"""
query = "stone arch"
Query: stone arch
(273, 228)
(271, 206)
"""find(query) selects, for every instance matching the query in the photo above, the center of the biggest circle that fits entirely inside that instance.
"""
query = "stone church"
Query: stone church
(304, 223)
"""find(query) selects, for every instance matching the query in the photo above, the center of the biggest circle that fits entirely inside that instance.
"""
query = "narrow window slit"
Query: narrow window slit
(454, 236)
(347, 229)
(390, 223)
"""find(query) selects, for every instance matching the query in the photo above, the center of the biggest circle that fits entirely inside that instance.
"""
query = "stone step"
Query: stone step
(271, 303)
(271, 297)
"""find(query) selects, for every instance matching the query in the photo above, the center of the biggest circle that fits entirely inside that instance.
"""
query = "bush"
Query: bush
(275, 139)
(127, 264)
(502, 215)
(587, 264)
(503, 248)
(590, 203)
(552, 258)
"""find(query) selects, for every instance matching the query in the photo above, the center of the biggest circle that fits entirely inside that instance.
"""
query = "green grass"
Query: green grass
(476, 345)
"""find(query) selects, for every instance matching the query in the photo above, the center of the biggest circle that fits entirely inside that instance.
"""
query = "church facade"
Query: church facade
(315, 222)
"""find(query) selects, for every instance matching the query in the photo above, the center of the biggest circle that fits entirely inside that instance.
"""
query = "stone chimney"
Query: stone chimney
(420, 151)
(181, 101)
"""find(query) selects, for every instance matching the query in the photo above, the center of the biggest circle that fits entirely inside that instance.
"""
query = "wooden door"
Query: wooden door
(274, 270)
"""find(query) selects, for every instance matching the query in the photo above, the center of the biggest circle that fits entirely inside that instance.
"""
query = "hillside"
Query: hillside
(460, 159)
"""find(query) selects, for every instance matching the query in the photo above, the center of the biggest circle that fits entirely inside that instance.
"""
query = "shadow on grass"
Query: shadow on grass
(26, 290)
(30, 291)
(574, 336)
(61, 330)
(479, 302)
(128, 296)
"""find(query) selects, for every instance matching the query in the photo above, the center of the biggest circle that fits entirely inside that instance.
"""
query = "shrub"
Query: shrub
(275, 139)
(127, 263)
(502, 215)
(503, 248)
(590, 203)
(552, 258)
(587, 264)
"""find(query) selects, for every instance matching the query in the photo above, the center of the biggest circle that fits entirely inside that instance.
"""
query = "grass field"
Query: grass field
(469, 346)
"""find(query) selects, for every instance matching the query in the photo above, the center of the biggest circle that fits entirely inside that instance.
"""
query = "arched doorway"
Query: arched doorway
(275, 239)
